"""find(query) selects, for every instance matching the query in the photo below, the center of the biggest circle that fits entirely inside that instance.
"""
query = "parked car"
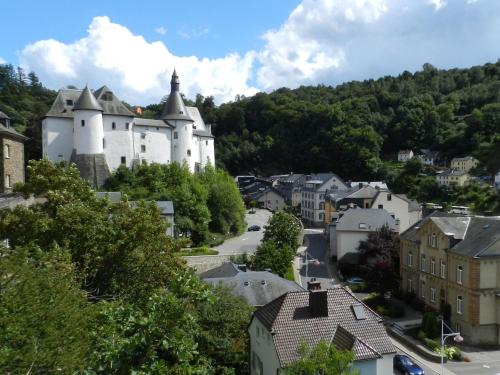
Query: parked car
(404, 365)
(253, 228)
(355, 280)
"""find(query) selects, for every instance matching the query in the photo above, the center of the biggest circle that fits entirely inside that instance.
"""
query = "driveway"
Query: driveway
(248, 241)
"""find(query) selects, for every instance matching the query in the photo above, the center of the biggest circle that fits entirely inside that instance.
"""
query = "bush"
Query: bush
(421, 335)
(450, 352)
(203, 250)
(432, 345)
(430, 325)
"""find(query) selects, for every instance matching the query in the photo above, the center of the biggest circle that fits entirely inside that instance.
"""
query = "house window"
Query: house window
(176, 135)
(459, 305)
(460, 271)
(380, 206)
(123, 160)
(103, 143)
(422, 263)
(410, 259)
(69, 102)
(6, 151)
(321, 216)
(410, 285)
(143, 135)
(433, 294)
(83, 122)
(113, 125)
(443, 269)
(189, 152)
(8, 182)
(422, 289)
(321, 206)
(433, 266)
(206, 143)
(389, 197)
(143, 148)
(433, 240)
(127, 126)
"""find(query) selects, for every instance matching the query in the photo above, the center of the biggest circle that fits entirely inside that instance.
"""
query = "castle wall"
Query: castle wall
(157, 141)
(88, 136)
(118, 141)
(57, 138)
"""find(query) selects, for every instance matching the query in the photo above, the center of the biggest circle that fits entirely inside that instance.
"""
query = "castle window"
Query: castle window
(176, 135)
(113, 125)
(83, 122)
(123, 160)
(127, 126)
(389, 197)
(103, 143)
(206, 142)
(69, 102)
(189, 152)
(459, 305)
(143, 148)
(6, 151)
(8, 182)
(143, 135)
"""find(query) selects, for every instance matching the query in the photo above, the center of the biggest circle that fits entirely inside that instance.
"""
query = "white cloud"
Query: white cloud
(333, 41)
(137, 70)
(194, 33)
(161, 30)
(2, 61)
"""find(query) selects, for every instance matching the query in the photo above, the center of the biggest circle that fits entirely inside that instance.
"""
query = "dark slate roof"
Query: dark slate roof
(366, 192)
(345, 340)
(3, 115)
(174, 108)
(411, 233)
(109, 103)
(337, 195)
(202, 133)
(256, 287)
(138, 121)
(481, 239)
(453, 226)
(11, 132)
(87, 101)
(372, 218)
(291, 321)
(224, 270)
(291, 178)
(320, 179)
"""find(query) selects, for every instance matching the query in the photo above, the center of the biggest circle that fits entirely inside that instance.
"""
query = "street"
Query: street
(248, 241)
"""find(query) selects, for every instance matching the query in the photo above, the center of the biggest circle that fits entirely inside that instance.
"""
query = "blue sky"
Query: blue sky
(225, 48)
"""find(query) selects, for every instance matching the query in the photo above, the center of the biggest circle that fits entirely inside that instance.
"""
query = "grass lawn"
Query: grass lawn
(289, 274)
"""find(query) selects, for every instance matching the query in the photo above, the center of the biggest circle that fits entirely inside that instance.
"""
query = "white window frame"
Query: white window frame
(442, 269)
(6, 151)
(459, 304)
(422, 289)
(434, 240)
(8, 181)
(410, 285)
(422, 263)
(433, 294)
(460, 271)
(410, 259)
(433, 266)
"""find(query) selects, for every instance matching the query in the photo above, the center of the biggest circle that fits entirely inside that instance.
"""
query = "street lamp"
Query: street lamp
(456, 337)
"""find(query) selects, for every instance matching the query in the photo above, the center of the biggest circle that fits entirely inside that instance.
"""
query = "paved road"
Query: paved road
(248, 241)
(491, 367)
(316, 252)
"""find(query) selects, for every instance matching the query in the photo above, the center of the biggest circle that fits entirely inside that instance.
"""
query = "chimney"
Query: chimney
(318, 303)
(360, 185)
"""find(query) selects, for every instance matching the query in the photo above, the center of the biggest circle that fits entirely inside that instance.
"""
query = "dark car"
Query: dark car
(404, 365)
(253, 228)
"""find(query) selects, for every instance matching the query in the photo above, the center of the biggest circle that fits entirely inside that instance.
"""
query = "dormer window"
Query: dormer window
(69, 102)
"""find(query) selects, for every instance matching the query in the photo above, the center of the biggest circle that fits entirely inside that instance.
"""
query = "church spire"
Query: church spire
(174, 82)
(174, 107)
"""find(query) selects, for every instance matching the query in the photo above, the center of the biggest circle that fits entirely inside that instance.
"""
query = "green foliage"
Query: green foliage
(283, 229)
(270, 255)
(44, 316)
(202, 201)
(431, 326)
(202, 250)
(322, 359)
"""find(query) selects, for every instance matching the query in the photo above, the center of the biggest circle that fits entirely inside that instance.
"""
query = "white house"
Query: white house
(405, 155)
(268, 198)
(354, 226)
(99, 133)
(336, 316)
(313, 196)
(406, 211)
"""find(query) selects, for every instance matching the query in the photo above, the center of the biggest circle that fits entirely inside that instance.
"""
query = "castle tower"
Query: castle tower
(175, 114)
(88, 135)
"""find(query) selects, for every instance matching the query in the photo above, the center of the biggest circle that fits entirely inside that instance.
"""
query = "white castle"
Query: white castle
(96, 131)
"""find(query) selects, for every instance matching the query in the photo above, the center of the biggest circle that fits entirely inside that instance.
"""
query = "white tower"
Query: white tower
(88, 125)
(175, 114)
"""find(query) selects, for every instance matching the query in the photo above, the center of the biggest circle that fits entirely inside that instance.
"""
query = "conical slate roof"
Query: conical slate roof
(88, 101)
(174, 107)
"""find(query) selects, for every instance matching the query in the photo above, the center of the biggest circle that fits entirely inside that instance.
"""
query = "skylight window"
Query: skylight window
(359, 311)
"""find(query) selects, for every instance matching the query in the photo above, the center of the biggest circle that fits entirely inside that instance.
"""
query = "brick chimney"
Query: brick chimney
(318, 303)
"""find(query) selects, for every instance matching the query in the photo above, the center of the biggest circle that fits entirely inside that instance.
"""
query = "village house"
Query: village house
(405, 211)
(335, 315)
(405, 155)
(12, 165)
(428, 157)
(464, 164)
(288, 184)
(313, 196)
(256, 287)
(452, 178)
(454, 260)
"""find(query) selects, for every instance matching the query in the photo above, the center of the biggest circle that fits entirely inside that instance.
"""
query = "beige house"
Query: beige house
(455, 261)
(453, 178)
(464, 164)
(12, 164)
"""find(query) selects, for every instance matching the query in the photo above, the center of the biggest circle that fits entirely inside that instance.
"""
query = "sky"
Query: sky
(226, 48)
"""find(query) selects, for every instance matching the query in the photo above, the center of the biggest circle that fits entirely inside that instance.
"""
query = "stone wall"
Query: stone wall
(14, 164)
(202, 263)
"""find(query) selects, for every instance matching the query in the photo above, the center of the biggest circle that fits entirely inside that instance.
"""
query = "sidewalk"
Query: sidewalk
(297, 265)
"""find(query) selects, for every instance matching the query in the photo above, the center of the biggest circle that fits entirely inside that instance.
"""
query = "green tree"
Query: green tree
(45, 319)
(270, 255)
(284, 230)
(322, 359)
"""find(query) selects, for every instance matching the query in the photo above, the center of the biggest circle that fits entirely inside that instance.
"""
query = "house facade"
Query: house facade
(455, 261)
(464, 164)
(406, 211)
(313, 197)
(405, 155)
(12, 162)
(453, 178)
(99, 133)
(334, 315)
